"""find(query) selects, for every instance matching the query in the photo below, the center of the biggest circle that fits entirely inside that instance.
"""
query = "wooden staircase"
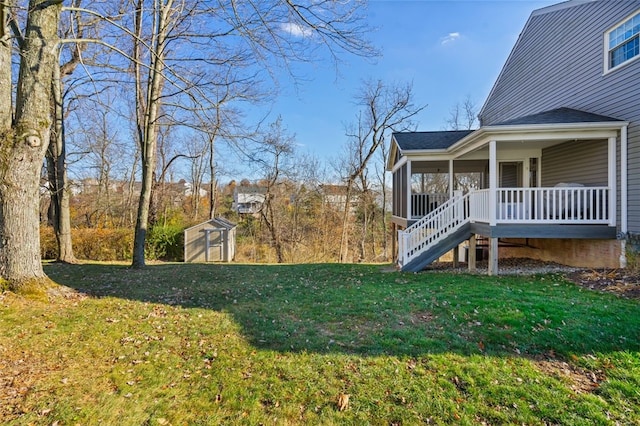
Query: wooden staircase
(435, 234)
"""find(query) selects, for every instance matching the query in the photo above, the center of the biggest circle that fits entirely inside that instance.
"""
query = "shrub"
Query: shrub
(48, 243)
(102, 244)
(633, 253)
(91, 243)
(165, 242)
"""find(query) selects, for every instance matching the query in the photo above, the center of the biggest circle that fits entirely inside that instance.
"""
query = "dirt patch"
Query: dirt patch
(580, 380)
(422, 317)
(622, 282)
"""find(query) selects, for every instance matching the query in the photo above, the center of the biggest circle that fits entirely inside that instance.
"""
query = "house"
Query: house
(248, 199)
(335, 196)
(553, 168)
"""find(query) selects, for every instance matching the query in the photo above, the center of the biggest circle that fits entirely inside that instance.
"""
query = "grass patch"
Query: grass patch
(243, 344)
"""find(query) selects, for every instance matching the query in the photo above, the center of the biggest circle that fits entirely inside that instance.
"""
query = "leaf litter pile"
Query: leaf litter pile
(316, 344)
(617, 281)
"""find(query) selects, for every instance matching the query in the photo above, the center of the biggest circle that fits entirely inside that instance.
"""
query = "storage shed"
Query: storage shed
(210, 241)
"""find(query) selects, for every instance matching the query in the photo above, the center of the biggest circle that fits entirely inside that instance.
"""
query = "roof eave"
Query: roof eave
(424, 151)
(487, 131)
(517, 128)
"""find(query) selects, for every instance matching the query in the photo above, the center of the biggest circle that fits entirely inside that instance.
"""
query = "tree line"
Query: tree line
(132, 86)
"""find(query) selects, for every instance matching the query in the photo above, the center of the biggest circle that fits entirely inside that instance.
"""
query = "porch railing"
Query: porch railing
(566, 205)
(424, 203)
(479, 205)
(433, 227)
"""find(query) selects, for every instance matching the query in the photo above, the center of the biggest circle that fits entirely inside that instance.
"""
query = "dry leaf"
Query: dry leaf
(343, 401)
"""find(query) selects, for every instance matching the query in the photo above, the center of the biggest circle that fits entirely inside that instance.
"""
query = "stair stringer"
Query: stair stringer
(432, 253)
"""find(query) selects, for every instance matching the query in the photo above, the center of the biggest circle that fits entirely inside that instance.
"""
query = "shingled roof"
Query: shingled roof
(558, 116)
(411, 141)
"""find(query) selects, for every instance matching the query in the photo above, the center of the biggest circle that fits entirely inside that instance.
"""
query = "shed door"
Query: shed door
(215, 246)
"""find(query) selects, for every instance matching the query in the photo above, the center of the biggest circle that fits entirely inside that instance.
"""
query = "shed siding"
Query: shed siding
(194, 243)
(558, 61)
(222, 242)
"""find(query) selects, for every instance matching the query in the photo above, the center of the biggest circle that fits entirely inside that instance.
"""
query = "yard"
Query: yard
(316, 344)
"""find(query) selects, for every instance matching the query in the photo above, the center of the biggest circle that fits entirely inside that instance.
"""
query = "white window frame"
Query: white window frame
(607, 50)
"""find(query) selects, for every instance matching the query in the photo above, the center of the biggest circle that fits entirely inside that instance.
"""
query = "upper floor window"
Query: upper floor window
(623, 42)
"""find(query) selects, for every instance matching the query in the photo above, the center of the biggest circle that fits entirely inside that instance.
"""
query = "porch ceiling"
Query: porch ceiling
(460, 166)
(531, 146)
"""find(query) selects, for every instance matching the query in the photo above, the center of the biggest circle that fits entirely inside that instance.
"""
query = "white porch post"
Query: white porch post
(493, 182)
(492, 268)
(539, 172)
(612, 182)
(409, 212)
(526, 173)
(451, 178)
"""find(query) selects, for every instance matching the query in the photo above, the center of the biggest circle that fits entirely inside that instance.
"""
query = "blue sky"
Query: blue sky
(449, 50)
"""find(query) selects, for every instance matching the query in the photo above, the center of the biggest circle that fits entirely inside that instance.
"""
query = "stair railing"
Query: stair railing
(432, 228)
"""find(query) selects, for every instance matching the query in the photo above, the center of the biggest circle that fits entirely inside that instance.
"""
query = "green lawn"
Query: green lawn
(242, 344)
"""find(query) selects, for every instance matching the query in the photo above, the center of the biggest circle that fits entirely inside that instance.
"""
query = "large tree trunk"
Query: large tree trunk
(57, 171)
(147, 109)
(23, 147)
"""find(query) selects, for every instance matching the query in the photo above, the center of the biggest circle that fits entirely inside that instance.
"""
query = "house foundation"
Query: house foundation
(583, 253)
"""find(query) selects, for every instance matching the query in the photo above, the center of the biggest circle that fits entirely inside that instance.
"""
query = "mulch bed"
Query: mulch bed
(622, 282)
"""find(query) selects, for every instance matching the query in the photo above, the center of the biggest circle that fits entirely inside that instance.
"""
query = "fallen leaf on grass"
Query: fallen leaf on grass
(343, 402)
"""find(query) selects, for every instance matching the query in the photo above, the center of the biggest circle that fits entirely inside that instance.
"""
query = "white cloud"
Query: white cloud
(450, 38)
(296, 30)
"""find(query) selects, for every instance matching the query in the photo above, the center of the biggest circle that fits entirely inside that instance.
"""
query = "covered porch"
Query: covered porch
(562, 178)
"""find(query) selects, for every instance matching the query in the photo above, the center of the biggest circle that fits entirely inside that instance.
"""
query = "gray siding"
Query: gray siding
(558, 61)
(582, 162)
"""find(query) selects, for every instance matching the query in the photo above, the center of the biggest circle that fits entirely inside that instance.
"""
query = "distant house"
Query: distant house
(557, 153)
(248, 199)
(189, 190)
(334, 196)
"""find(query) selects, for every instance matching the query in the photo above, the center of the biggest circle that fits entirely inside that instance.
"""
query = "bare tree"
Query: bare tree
(57, 151)
(381, 174)
(206, 34)
(57, 175)
(277, 148)
(463, 116)
(385, 108)
(270, 31)
(198, 150)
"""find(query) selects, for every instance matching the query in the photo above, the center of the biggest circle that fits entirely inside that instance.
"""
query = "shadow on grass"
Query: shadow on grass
(358, 309)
